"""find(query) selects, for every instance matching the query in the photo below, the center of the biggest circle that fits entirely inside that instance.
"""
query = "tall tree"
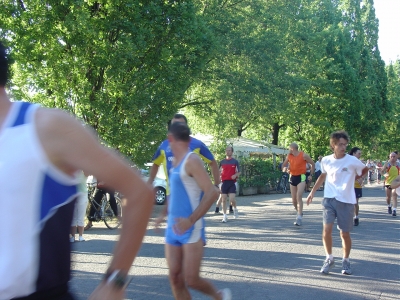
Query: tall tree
(121, 66)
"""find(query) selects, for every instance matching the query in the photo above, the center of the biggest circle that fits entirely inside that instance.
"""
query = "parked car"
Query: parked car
(160, 187)
(159, 184)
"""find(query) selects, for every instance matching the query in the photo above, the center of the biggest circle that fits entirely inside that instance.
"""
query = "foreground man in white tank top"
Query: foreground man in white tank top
(41, 152)
(192, 194)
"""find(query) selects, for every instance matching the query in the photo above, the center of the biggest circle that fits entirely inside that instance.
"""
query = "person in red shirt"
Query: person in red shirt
(297, 161)
(229, 168)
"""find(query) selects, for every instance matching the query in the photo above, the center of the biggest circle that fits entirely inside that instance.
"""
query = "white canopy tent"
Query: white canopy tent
(244, 147)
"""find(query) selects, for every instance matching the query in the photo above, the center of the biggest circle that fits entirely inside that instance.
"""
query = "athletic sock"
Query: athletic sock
(346, 259)
(330, 257)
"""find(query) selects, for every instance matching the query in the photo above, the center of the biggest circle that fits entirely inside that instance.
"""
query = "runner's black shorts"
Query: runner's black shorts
(296, 179)
(228, 187)
(358, 192)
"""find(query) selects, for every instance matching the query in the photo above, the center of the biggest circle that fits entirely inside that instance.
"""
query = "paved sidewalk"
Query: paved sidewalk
(262, 255)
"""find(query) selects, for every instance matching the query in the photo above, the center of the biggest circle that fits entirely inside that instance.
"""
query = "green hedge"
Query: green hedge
(257, 172)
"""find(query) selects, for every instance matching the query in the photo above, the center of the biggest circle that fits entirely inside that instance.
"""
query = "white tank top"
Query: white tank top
(37, 200)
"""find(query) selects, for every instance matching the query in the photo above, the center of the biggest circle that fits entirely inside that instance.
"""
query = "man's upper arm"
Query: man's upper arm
(308, 159)
(195, 168)
(72, 147)
(361, 168)
(237, 166)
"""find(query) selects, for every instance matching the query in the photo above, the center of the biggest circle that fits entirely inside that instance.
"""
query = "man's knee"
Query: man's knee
(192, 280)
(345, 235)
(327, 229)
(176, 278)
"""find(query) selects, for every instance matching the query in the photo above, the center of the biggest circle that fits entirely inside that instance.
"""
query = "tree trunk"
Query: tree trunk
(275, 133)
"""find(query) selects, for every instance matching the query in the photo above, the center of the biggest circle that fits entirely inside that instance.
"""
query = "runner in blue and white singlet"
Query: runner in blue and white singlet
(38, 240)
(184, 199)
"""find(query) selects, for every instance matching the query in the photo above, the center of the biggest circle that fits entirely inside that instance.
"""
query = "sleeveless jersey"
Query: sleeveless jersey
(184, 199)
(297, 164)
(393, 172)
(39, 201)
(165, 156)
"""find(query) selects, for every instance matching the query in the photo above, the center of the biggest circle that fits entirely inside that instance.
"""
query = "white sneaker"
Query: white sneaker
(226, 294)
(224, 219)
(81, 239)
(298, 221)
(72, 239)
(235, 213)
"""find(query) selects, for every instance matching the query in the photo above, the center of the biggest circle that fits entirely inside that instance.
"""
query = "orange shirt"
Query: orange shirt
(297, 164)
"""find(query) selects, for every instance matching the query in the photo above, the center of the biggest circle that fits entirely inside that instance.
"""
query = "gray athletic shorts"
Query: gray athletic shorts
(344, 213)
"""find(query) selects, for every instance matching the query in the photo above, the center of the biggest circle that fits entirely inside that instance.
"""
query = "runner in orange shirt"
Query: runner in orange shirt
(297, 160)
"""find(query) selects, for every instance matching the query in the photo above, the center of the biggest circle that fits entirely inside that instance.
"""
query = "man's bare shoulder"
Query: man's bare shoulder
(55, 120)
(195, 159)
(64, 139)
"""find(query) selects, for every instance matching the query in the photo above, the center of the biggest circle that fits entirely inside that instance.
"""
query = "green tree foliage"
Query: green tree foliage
(389, 140)
(281, 71)
(121, 66)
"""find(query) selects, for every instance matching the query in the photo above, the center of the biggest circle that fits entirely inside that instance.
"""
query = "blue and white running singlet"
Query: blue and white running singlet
(37, 200)
(184, 199)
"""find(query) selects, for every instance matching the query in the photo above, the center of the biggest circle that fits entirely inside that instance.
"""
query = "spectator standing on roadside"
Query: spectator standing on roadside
(371, 167)
(308, 177)
(339, 171)
(297, 160)
(79, 211)
(102, 190)
(378, 170)
(41, 152)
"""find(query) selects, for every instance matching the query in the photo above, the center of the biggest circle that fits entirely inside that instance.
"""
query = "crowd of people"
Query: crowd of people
(44, 153)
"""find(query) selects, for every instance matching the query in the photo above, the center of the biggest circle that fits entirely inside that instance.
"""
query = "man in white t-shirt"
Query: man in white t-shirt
(339, 171)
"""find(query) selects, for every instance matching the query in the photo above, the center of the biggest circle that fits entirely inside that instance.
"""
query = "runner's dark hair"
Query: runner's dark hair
(354, 150)
(180, 131)
(341, 134)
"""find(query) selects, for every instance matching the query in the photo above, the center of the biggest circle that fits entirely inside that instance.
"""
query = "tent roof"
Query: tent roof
(247, 145)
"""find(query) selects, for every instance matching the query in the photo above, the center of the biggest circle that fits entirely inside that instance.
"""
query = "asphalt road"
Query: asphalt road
(262, 255)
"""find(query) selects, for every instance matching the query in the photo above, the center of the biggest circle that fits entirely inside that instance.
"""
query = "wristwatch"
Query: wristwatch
(117, 278)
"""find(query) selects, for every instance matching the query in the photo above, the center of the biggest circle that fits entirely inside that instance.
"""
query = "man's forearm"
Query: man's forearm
(206, 201)
(136, 214)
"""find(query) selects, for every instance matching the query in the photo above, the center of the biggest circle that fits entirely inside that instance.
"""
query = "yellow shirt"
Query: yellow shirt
(393, 172)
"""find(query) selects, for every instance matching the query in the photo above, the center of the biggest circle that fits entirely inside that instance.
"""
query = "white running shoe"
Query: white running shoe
(298, 221)
(224, 219)
(226, 294)
(72, 239)
(81, 239)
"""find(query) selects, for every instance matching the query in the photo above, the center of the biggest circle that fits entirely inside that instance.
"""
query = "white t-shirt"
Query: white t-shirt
(340, 177)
